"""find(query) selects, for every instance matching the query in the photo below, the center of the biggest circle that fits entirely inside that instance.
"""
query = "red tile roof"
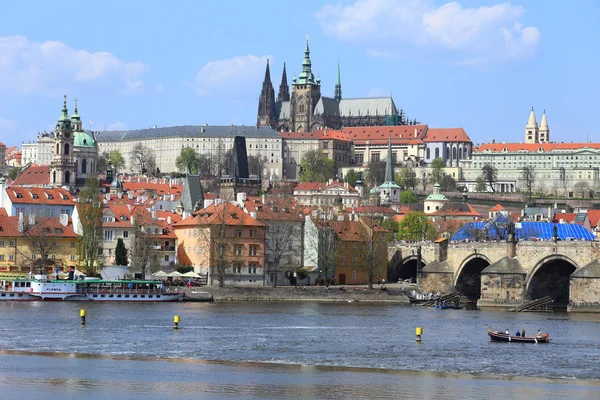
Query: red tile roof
(213, 215)
(51, 227)
(403, 134)
(497, 207)
(39, 195)
(34, 175)
(322, 134)
(446, 135)
(594, 217)
(9, 226)
(566, 217)
(534, 147)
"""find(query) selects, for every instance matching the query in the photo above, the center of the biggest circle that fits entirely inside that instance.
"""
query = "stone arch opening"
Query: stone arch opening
(551, 278)
(468, 281)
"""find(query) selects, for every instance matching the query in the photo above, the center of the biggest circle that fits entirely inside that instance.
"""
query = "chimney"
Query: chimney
(64, 219)
(21, 223)
(120, 195)
(132, 220)
(172, 196)
(153, 213)
(264, 199)
(31, 219)
(129, 207)
(108, 196)
(130, 195)
(169, 220)
(416, 132)
(253, 214)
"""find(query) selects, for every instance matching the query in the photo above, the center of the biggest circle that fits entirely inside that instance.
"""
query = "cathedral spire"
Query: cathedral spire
(306, 76)
(267, 73)
(338, 85)
(284, 90)
(266, 102)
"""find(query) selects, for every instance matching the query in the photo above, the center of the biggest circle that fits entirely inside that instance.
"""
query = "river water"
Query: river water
(290, 350)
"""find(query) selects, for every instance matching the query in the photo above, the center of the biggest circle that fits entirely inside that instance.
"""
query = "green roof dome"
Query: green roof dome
(116, 184)
(84, 139)
(436, 195)
(375, 190)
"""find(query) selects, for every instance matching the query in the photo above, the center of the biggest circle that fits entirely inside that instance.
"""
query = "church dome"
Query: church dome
(375, 190)
(84, 139)
(436, 195)
(116, 184)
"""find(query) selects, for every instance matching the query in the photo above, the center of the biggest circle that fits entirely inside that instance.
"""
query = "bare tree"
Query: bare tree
(142, 158)
(581, 187)
(423, 177)
(490, 175)
(374, 246)
(143, 260)
(89, 208)
(41, 237)
(528, 177)
(256, 165)
(323, 239)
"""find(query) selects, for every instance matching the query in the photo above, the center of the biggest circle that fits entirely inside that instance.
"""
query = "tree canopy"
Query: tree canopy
(316, 167)
(187, 161)
(415, 226)
(490, 175)
(90, 208)
(117, 160)
(351, 177)
(375, 173)
(406, 178)
(142, 159)
(408, 197)
(437, 170)
(481, 185)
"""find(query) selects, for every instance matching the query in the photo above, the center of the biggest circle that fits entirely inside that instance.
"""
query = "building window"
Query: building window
(238, 232)
(73, 244)
(108, 236)
(72, 257)
(353, 275)
(1, 243)
(375, 157)
(166, 258)
(125, 234)
(1, 257)
(11, 257)
(238, 250)
(253, 250)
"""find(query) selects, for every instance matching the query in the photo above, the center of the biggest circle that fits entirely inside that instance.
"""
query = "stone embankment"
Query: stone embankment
(391, 294)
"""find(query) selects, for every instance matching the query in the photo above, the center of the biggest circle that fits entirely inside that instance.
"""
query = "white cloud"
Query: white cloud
(7, 124)
(117, 126)
(233, 74)
(52, 67)
(486, 34)
(377, 92)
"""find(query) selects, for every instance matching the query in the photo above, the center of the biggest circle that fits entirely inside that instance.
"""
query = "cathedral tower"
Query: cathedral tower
(284, 90)
(338, 86)
(306, 92)
(531, 129)
(62, 167)
(266, 101)
(544, 130)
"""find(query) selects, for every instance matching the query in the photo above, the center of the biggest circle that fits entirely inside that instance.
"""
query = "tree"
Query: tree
(323, 242)
(101, 162)
(481, 186)
(121, 253)
(89, 209)
(316, 167)
(448, 184)
(351, 177)
(282, 229)
(375, 173)
(117, 160)
(13, 173)
(408, 197)
(206, 167)
(437, 170)
(256, 165)
(143, 260)
(41, 241)
(187, 161)
(142, 159)
(423, 177)
(406, 178)
(415, 226)
(375, 247)
(581, 187)
(528, 177)
(490, 175)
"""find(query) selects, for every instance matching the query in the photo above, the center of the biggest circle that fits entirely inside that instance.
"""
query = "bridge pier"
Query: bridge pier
(437, 276)
(503, 284)
(584, 288)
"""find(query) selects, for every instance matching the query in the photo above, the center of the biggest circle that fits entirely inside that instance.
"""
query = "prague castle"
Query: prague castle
(307, 110)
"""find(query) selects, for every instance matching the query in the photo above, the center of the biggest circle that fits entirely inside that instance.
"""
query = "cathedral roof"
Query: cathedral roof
(367, 106)
(446, 135)
(399, 134)
(282, 109)
(327, 106)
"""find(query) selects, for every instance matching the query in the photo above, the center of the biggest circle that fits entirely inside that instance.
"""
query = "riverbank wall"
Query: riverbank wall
(310, 293)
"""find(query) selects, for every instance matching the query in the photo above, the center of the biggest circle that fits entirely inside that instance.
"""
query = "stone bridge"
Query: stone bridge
(502, 273)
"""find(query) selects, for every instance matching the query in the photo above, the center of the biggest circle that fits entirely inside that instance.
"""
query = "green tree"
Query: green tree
(121, 253)
(415, 226)
(408, 197)
(406, 178)
(90, 208)
(187, 161)
(316, 167)
(448, 184)
(143, 260)
(481, 185)
(351, 177)
(117, 160)
(437, 170)
(13, 173)
(490, 175)
(375, 173)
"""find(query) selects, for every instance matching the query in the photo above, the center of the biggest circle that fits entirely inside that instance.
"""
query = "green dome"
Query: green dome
(375, 190)
(116, 184)
(83, 139)
(436, 195)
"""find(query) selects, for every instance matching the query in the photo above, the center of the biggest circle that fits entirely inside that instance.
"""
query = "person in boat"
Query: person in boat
(518, 334)
(539, 333)
(507, 331)
(523, 333)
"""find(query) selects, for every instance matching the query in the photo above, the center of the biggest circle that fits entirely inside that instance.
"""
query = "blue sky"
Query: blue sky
(480, 65)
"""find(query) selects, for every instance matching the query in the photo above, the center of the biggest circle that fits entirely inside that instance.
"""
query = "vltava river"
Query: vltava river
(290, 350)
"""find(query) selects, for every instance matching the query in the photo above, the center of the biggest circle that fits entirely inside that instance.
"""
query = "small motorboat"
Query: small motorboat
(496, 336)
(446, 307)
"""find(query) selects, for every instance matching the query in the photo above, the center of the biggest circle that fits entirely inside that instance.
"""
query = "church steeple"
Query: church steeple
(284, 90)
(338, 85)
(266, 102)
(531, 129)
(306, 76)
(544, 130)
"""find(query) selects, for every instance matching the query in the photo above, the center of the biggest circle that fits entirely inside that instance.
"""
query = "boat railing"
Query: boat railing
(120, 290)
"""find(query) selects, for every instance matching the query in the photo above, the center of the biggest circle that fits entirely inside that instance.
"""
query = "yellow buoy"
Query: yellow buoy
(176, 322)
(419, 332)
(82, 315)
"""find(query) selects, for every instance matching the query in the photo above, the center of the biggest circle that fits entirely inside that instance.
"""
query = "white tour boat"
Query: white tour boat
(41, 288)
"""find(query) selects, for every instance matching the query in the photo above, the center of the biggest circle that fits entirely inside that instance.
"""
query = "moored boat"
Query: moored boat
(496, 336)
(41, 288)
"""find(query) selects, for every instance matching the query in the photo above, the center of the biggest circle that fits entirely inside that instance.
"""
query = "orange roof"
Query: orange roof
(566, 217)
(39, 195)
(497, 207)
(34, 175)
(402, 134)
(213, 215)
(321, 134)
(159, 188)
(9, 226)
(534, 147)
(446, 135)
(51, 227)
(594, 217)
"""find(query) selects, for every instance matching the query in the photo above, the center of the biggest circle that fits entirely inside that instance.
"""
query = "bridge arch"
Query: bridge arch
(550, 277)
(467, 279)
(400, 268)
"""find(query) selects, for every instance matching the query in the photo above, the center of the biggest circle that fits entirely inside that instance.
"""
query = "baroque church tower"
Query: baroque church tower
(62, 167)
(266, 102)
(306, 92)
(531, 129)
(544, 130)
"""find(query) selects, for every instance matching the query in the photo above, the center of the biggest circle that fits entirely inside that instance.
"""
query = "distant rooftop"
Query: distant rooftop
(226, 131)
